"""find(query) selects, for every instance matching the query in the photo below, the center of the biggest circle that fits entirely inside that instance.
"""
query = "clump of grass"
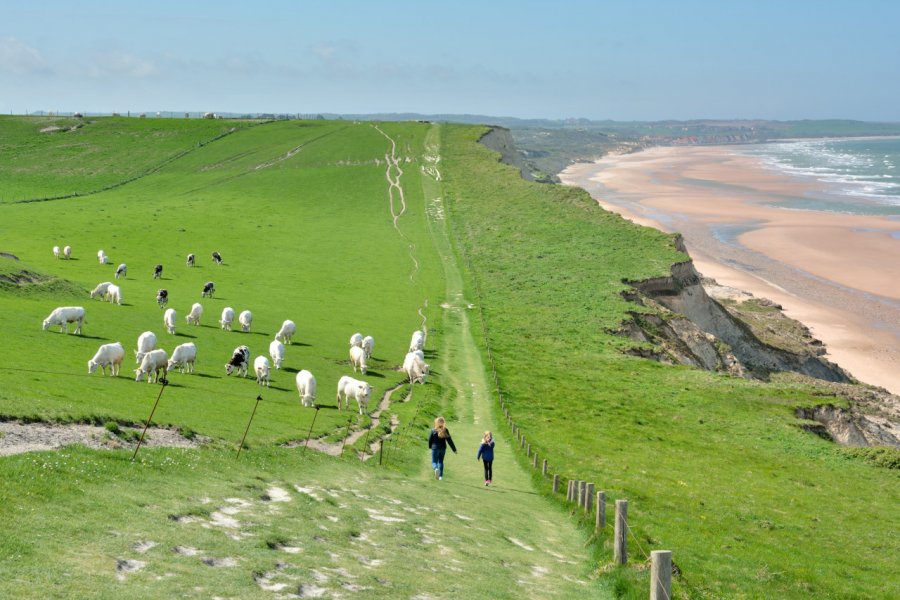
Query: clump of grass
(881, 456)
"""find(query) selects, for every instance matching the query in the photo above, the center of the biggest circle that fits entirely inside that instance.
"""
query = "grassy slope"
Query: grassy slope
(290, 232)
(714, 468)
(101, 153)
(308, 239)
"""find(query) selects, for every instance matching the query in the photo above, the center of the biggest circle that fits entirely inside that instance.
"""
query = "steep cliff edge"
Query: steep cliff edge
(681, 323)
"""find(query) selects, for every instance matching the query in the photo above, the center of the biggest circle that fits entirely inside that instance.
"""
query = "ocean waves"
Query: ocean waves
(862, 169)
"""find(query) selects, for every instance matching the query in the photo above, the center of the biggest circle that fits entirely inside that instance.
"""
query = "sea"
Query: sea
(857, 175)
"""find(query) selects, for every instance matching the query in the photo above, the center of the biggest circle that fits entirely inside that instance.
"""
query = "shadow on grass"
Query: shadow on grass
(187, 335)
(493, 488)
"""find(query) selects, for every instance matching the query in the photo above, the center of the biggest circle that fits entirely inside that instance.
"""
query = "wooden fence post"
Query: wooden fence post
(601, 510)
(620, 548)
(556, 483)
(528, 451)
(589, 498)
(544, 468)
(522, 442)
(569, 494)
(661, 575)
(582, 492)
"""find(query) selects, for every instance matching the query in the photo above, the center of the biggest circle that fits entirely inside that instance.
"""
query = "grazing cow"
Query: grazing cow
(169, 318)
(56, 251)
(348, 388)
(152, 364)
(64, 315)
(367, 345)
(100, 290)
(114, 294)
(183, 357)
(108, 355)
(358, 359)
(287, 331)
(145, 343)
(276, 351)
(261, 368)
(240, 359)
(209, 289)
(196, 312)
(415, 368)
(190, 260)
(67, 252)
(162, 297)
(227, 318)
(417, 342)
(356, 340)
(157, 271)
(245, 319)
(102, 258)
(306, 387)
(121, 271)
(217, 258)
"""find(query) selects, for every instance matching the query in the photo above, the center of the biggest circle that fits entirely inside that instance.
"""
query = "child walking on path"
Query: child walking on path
(486, 453)
(437, 441)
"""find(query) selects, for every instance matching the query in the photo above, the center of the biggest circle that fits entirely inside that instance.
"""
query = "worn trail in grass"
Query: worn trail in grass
(549, 541)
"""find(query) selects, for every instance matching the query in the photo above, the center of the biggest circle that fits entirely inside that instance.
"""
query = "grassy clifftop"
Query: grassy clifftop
(716, 469)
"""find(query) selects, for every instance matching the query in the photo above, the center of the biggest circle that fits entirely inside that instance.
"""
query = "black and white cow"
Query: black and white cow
(217, 258)
(208, 289)
(157, 271)
(162, 297)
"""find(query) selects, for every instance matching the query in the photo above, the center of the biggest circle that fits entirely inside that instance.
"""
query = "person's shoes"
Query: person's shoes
(486, 482)
(439, 478)
(490, 482)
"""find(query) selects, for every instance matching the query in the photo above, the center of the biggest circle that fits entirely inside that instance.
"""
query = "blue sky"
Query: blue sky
(622, 60)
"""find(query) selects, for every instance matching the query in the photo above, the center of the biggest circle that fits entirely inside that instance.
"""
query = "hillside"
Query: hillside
(385, 228)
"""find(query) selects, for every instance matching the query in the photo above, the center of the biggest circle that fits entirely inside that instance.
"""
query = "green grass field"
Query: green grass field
(715, 469)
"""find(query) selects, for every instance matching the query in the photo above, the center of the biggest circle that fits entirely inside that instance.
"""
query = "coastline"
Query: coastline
(839, 274)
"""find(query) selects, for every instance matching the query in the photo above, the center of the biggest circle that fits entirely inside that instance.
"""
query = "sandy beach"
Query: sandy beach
(837, 273)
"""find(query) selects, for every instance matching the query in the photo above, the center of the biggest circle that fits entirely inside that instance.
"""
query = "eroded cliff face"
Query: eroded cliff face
(680, 323)
(684, 311)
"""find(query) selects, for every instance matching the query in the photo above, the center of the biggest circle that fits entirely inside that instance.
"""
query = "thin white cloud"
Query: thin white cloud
(118, 64)
(18, 58)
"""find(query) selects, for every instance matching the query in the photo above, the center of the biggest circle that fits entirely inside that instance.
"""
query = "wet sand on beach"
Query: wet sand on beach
(839, 274)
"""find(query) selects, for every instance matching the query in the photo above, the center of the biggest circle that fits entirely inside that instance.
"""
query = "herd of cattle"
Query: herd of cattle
(155, 363)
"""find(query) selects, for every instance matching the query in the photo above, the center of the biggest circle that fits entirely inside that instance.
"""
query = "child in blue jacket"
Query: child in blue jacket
(486, 453)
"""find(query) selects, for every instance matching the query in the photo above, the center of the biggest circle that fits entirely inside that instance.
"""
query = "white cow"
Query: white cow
(102, 258)
(114, 294)
(183, 357)
(287, 331)
(261, 367)
(100, 290)
(121, 270)
(276, 351)
(239, 361)
(145, 343)
(196, 312)
(306, 387)
(151, 365)
(417, 342)
(367, 344)
(67, 252)
(169, 319)
(358, 359)
(227, 318)
(56, 251)
(245, 319)
(415, 368)
(64, 315)
(348, 388)
(108, 355)
(356, 340)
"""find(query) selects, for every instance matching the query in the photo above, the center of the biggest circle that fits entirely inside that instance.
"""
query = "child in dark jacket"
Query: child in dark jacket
(486, 453)
(437, 441)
